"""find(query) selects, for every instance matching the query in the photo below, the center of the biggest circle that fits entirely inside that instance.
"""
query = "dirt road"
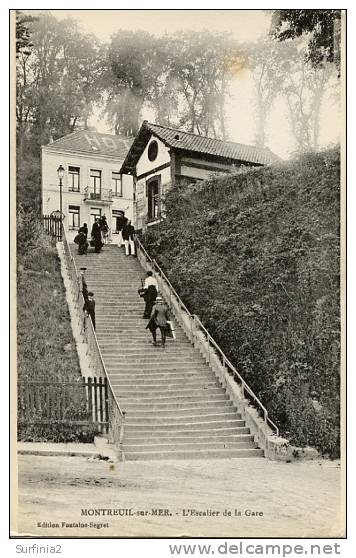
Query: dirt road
(223, 498)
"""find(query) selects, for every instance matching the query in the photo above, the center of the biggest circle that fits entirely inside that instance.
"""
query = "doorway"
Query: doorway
(95, 213)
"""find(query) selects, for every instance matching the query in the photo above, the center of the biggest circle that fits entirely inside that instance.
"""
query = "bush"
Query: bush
(256, 256)
(30, 236)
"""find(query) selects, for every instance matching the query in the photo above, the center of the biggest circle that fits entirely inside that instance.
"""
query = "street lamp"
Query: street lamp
(60, 172)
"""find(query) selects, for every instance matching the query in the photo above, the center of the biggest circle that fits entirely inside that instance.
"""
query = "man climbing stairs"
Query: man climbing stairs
(175, 406)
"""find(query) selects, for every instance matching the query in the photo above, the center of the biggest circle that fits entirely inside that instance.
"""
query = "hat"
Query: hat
(82, 268)
(90, 294)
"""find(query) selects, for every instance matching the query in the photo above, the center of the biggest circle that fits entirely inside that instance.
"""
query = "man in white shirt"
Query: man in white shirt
(150, 280)
(151, 291)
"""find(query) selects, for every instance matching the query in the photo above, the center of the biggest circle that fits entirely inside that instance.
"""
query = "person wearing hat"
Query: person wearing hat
(151, 289)
(84, 229)
(159, 318)
(96, 235)
(121, 222)
(104, 227)
(128, 235)
(89, 307)
(81, 240)
(83, 284)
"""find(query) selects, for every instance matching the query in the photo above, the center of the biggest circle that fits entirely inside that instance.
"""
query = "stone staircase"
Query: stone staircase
(175, 406)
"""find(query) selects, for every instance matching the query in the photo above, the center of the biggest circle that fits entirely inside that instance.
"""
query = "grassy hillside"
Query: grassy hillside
(256, 256)
(46, 348)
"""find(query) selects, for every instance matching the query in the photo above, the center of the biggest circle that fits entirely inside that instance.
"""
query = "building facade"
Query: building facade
(92, 185)
(161, 157)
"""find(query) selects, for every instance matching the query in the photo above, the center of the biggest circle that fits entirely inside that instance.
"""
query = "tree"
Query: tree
(163, 94)
(128, 79)
(321, 26)
(201, 66)
(304, 89)
(23, 33)
(184, 77)
(57, 85)
(266, 60)
(55, 80)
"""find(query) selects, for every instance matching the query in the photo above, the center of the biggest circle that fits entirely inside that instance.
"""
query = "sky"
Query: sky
(245, 26)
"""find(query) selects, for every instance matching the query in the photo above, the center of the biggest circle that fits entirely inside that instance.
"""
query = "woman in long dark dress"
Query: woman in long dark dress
(82, 239)
(96, 236)
(104, 227)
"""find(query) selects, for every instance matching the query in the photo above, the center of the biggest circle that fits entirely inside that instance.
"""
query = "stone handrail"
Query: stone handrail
(116, 415)
(198, 334)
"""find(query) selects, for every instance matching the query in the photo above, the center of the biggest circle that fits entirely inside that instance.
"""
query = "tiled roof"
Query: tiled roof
(189, 142)
(212, 146)
(86, 141)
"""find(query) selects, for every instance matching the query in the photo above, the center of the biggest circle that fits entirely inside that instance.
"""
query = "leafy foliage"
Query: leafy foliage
(57, 76)
(281, 71)
(23, 35)
(184, 77)
(322, 27)
(256, 256)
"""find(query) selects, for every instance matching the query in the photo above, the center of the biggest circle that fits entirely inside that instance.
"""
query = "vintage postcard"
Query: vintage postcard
(178, 187)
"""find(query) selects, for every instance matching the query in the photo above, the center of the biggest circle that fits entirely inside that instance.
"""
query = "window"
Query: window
(73, 181)
(95, 184)
(74, 217)
(153, 150)
(116, 184)
(153, 191)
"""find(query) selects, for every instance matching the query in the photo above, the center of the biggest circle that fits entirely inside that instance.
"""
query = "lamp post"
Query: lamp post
(60, 172)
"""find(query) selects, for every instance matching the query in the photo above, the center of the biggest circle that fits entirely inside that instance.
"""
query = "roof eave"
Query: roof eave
(49, 149)
(136, 149)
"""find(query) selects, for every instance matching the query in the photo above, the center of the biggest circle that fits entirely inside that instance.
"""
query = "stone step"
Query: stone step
(145, 344)
(119, 295)
(142, 337)
(124, 323)
(206, 410)
(162, 356)
(187, 425)
(156, 358)
(183, 446)
(152, 407)
(166, 384)
(192, 454)
(192, 417)
(138, 336)
(138, 391)
(138, 377)
(171, 401)
(171, 350)
(152, 363)
(130, 321)
(195, 438)
(117, 281)
(162, 382)
(124, 368)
